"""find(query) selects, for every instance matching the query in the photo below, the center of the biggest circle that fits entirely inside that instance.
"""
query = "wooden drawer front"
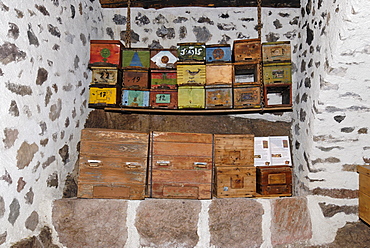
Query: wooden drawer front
(113, 149)
(106, 75)
(219, 74)
(114, 135)
(182, 137)
(105, 52)
(273, 52)
(247, 73)
(182, 162)
(274, 189)
(279, 95)
(103, 96)
(163, 58)
(278, 73)
(247, 97)
(136, 79)
(219, 97)
(201, 191)
(364, 206)
(274, 175)
(166, 99)
(218, 53)
(247, 50)
(135, 98)
(163, 79)
(108, 191)
(234, 150)
(191, 97)
(191, 52)
(182, 149)
(235, 181)
(191, 75)
(136, 58)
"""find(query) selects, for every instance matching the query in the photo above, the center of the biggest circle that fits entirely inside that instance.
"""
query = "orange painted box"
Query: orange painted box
(106, 53)
(136, 79)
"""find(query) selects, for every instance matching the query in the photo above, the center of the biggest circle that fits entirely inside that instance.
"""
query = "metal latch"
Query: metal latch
(133, 165)
(94, 162)
(200, 164)
(163, 163)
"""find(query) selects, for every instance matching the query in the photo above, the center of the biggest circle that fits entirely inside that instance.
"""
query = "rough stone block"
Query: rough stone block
(291, 222)
(168, 223)
(235, 222)
(90, 222)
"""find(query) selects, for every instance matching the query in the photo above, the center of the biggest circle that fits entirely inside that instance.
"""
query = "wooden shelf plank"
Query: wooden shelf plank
(198, 111)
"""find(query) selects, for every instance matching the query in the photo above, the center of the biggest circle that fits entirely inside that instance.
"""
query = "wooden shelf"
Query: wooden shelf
(198, 111)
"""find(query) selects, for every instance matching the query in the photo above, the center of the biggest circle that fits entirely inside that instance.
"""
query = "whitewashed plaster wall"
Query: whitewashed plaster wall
(331, 117)
(44, 52)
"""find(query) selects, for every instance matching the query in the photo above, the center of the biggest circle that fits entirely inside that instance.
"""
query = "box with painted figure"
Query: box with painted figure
(106, 53)
(163, 59)
(191, 52)
(163, 79)
(218, 53)
(136, 58)
(135, 98)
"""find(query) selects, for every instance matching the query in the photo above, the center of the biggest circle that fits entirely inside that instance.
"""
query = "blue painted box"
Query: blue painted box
(218, 53)
(135, 98)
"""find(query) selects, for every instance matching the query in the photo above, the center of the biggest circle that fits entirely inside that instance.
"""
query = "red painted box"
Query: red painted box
(106, 53)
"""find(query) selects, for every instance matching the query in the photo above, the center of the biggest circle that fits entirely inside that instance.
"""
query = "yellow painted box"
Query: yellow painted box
(273, 52)
(247, 96)
(103, 96)
(277, 73)
(191, 74)
(191, 97)
(106, 75)
(219, 74)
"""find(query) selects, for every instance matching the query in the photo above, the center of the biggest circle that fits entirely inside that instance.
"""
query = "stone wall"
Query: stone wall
(331, 122)
(44, 52)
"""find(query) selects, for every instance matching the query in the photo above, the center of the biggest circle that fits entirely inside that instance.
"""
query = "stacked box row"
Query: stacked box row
(137, 165)
(194, 75)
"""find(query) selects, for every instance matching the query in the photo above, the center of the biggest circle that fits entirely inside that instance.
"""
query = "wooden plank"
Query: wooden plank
(364, 207)
(200, 3)
(182, 137)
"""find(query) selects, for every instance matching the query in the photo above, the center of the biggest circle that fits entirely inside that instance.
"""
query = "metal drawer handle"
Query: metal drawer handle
(133, 165)
(94, 163)
(163, 163)
(200, 164)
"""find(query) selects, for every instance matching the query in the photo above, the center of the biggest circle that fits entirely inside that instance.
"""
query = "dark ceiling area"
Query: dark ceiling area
(199, 3)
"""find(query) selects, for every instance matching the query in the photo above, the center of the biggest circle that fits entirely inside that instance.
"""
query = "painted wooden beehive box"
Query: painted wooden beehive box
(247, 73)
(273, 52)
(136, 58)
(219, 74)
(136, 79)
(166, 99)
(106, 53)
(163, 79)
(163, 59)
(113, 164)
(247, 50)
(104, 96)
(106, 75)
(191, 97)
(274, 180)
(218, 53)
(278, 95)
(219, 97)
(191, 52)
(181, 165)
(277, 73)
(135, 98)
(248, 96)
(191, 74)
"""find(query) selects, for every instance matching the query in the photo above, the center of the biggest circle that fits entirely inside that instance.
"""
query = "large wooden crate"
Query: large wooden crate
(234, 150)
(219, 74)
(274, 180)
(163, 58)
(181, 165)
(364, 193)
(113, 164)
(247, 50)
(106, 53)
(235, 181)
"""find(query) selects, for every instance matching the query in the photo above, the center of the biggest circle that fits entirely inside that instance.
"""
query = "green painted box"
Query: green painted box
(163, 79)
(277, 73)
(191, 97)
(136, 58)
